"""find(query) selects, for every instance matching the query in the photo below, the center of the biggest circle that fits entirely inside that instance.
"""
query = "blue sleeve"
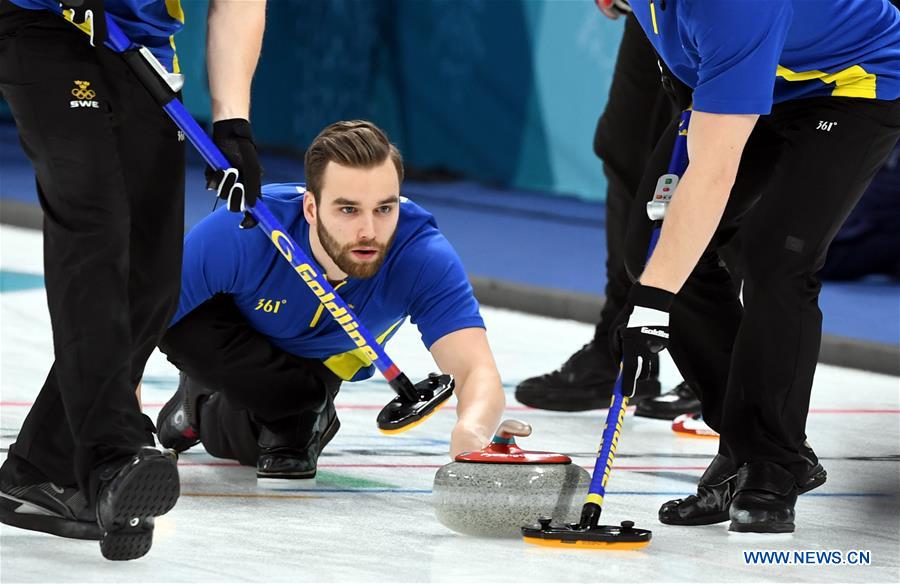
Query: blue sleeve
(739, 44)
(442, 300)
(212, 252)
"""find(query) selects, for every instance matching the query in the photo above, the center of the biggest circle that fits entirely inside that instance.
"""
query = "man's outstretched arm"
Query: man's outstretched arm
(466, 355)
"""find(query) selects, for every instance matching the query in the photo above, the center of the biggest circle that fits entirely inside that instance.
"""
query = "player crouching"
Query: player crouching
(261, 361)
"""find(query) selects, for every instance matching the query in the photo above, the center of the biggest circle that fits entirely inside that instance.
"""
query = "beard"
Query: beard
(343, 255)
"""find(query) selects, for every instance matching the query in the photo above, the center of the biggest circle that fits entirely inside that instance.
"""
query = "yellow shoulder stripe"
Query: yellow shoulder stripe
(850, 82)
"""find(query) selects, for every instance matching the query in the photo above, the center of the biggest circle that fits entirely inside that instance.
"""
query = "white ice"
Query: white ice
(369, 516)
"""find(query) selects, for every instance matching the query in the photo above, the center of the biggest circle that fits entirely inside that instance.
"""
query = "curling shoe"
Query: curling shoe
(681, 399)
(584, 382)
(29, 501)
(294, 453)
(178, 423)
(710, 504)
(764, 499)
(131, 495)
(816, 476)
(717, 487)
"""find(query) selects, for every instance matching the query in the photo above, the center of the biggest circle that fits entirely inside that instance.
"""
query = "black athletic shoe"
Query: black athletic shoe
(817, 474)
(178, 423)
(280, 457)
(131, 495)
(681, 399)
(716, 490)
(49, 508)
(764, 499)
(584, 382)
(710, 504)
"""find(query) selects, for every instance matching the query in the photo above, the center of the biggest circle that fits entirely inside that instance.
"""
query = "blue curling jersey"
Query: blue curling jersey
(741, 56)
(421, 277)
(151, 23)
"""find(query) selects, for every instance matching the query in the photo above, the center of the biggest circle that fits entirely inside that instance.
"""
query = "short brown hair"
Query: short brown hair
(356, 144)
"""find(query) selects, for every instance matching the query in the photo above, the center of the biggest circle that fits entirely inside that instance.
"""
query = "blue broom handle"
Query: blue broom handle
(614, 418)
(117, 41)
(677, 164)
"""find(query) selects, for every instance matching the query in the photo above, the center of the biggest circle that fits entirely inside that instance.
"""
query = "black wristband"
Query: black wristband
(650, 297)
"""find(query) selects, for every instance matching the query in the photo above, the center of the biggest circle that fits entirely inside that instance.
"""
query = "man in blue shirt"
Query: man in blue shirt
(796, 105)
(109, 165)
(260, 359)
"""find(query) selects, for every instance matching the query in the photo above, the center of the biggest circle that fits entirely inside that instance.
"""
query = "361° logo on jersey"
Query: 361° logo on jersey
(84, 95)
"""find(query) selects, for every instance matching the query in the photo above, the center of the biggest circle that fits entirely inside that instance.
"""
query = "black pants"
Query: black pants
(110, 178)
(796, 184)
(636, 115)
(255, 382)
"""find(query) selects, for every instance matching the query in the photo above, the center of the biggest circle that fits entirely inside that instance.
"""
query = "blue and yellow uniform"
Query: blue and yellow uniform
(741, 56)
(824, 78)
(151, 23)
(421, 278)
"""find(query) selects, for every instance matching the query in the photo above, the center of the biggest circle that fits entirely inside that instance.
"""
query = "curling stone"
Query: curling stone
(497, 490)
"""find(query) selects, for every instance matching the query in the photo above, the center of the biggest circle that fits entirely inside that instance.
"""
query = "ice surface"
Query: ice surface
(369, 516)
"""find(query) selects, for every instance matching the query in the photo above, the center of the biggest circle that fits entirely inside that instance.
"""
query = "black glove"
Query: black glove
(90, 13)
(640, 330)
(235, 140)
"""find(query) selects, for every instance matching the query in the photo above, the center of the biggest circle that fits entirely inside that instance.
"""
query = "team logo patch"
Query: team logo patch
(84, 95)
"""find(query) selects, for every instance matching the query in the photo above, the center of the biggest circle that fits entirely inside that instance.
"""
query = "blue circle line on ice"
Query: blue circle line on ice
(618, 493)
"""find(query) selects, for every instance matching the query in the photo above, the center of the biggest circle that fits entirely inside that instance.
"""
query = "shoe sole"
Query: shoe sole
(663, 415)
(655, 416)
(295, 476)
(817, 479)
(704, 520)
(761, 527)
(540, 401)
(329, 433)
(568, 406)
(563, 405)
(59, 526)
(149, 490)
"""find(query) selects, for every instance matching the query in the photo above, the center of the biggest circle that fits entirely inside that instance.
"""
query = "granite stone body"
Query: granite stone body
(496, 499)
